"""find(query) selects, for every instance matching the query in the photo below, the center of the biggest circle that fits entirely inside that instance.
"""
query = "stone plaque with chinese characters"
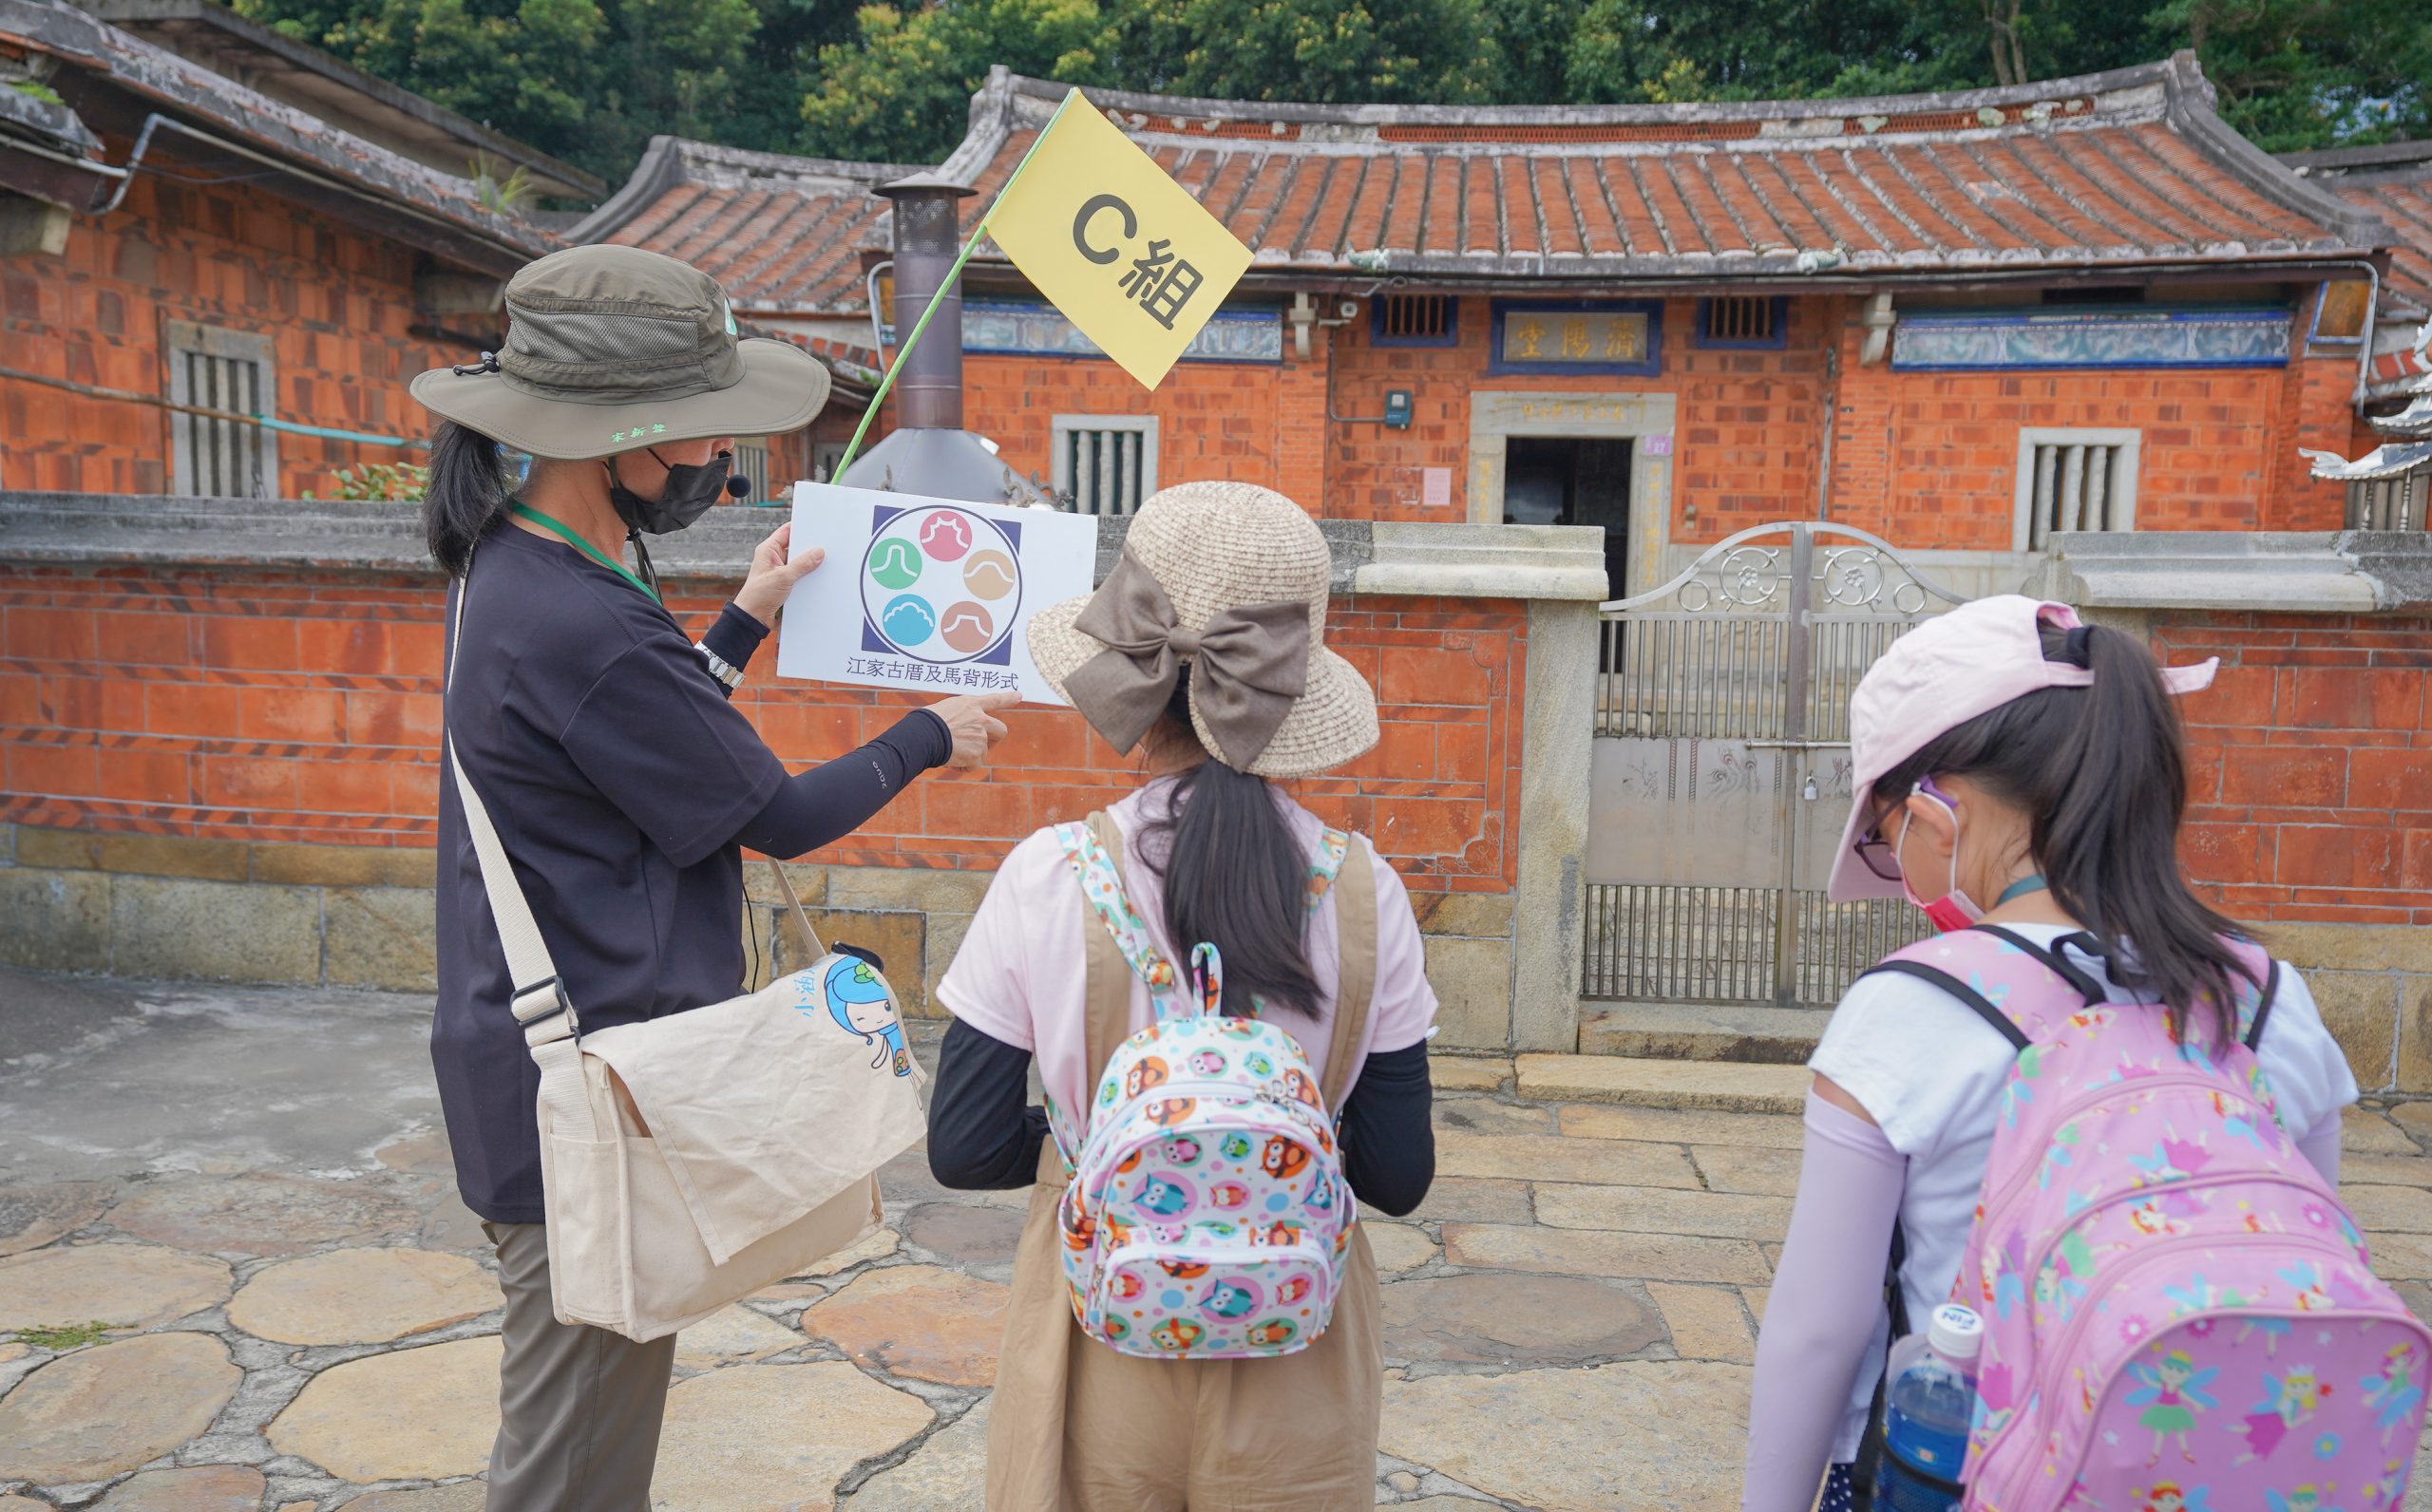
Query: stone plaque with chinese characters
(1586, 339)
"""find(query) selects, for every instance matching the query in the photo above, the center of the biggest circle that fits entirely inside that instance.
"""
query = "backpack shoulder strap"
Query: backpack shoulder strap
(1355, 918)
(1110, 962)
(2068, 970)
(2263, 1004)
(1976, 1001)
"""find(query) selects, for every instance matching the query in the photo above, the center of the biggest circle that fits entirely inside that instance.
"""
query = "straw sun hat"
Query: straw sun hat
(1232, 579)
(614, 349)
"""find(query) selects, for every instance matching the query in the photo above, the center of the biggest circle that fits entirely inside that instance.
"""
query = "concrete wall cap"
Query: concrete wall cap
(2283, 572)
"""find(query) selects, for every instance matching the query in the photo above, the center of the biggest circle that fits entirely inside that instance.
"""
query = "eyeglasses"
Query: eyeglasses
(1881, 857)
(1878, 854)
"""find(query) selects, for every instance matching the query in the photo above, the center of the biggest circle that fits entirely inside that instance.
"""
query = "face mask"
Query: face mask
(1954, 908)
(690, 489)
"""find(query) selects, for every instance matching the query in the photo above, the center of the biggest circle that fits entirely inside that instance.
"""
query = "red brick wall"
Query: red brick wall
(2312, 773)
(337, 303)
(1214, 420)
(1930, 460)
(304, 707)
(1744, 450)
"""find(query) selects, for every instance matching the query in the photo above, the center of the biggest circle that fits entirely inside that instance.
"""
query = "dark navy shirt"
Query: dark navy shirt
(619, 779)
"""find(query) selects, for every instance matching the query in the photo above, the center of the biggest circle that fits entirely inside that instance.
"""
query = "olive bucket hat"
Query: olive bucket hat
(1232, 579)
(609, 348)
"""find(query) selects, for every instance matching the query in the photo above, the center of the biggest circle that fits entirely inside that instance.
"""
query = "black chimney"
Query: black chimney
(929, 452)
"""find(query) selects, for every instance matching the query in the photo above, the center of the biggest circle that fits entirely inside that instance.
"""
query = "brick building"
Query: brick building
(1958, 321)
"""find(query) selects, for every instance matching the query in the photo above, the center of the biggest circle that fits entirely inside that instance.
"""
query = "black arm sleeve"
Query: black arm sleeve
(732, 638)
(984, 1133)
(1388, 1144)
(833, 799)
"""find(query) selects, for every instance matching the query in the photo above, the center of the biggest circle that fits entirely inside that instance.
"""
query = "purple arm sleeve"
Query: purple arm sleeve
(1826, 1301)
(2321, 1147)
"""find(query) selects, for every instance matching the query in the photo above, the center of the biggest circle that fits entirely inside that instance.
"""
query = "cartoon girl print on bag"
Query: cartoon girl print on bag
(2176, 1389)
(857, 1000)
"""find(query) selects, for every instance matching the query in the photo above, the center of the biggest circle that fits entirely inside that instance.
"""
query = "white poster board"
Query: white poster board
(928, 594)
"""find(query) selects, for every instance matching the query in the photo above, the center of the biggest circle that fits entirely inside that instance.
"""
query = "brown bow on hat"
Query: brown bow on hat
(1232, 579)
(1252, 661)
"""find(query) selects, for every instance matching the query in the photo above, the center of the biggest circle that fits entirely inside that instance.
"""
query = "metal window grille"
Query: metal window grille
(1414, 317)
(752, 465)
(1739, 317)
(2391, 503)
(1106, 465)
(2074, 480)
(230, 370)
(221, 459)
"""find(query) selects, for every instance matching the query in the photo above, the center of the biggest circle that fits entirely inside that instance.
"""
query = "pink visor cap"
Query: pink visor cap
(1938, 676)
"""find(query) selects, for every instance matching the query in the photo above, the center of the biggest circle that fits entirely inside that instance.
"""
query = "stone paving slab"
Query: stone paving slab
(103, 1411)
(1552, 1158)
(1717, 1085)
(126, 1286)
(1656, 1210)
(362, 1296)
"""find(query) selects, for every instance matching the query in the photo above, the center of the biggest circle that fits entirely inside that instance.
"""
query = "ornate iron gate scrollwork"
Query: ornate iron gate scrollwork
(1721, 773)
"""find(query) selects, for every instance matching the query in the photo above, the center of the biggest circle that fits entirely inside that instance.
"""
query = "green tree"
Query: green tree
(900, 90)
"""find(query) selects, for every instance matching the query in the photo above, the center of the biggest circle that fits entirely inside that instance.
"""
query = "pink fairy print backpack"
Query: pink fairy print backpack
(1206, 1215)
(2179, 1315)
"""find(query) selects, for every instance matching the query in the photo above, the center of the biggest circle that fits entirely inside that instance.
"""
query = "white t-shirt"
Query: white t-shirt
(1021, 975)
(1930, 1073)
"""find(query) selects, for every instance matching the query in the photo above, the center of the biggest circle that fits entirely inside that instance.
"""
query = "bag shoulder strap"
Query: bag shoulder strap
(539, 1002)
(1976, 1001)
(1355, 918)
(1109, 966)
(2263, 1005)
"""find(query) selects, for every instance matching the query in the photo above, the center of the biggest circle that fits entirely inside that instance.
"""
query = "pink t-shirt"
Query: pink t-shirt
(1018, 976)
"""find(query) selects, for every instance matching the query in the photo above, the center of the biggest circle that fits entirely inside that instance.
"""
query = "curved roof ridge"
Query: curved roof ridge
(2177, 75)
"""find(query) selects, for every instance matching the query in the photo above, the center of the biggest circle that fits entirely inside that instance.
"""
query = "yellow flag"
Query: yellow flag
(1121, 249)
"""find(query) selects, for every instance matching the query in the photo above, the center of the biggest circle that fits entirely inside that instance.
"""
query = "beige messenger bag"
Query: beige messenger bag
(688, 1161)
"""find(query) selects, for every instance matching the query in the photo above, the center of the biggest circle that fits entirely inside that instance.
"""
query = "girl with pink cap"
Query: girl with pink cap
(2014, 768)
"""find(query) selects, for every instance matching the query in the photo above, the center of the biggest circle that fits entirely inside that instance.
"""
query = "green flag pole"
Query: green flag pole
(853, 447)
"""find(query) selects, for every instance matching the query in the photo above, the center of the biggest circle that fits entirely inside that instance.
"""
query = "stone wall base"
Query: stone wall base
(361, 915)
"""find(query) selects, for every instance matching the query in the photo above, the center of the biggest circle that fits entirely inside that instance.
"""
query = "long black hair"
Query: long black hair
(2103, 771)
(469, 487)
(1235, 876)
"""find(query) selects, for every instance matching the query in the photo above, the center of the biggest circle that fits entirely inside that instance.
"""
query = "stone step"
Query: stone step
(1718, 1085)
(1691, 1031)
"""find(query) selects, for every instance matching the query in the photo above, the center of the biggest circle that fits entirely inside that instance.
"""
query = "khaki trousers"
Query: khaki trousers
(580, 1408)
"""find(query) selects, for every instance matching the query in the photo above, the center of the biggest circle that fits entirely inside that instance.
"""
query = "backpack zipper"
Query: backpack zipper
(2080, 1323)
(2093, 1097)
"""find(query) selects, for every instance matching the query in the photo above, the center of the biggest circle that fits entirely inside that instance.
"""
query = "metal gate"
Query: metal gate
(1721, 772)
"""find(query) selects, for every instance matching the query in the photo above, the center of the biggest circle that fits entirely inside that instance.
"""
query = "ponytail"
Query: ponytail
(2103, 771)
(468, 490)
(1235, 876)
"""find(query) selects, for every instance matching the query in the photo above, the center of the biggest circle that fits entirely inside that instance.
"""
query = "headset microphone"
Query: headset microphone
(737, 487)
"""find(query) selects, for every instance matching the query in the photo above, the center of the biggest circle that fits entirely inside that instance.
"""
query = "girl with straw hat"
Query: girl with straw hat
(622, 783)
(1204, 650)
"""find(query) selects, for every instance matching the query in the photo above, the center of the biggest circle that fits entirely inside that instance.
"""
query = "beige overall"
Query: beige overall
(1077, 1427)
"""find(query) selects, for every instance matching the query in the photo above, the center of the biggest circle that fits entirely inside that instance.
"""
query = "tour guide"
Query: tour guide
(623, 783)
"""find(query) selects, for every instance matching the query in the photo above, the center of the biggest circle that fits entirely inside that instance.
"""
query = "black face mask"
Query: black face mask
(690, 489)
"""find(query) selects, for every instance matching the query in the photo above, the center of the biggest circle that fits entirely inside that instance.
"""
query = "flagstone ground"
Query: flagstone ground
(235, 1278)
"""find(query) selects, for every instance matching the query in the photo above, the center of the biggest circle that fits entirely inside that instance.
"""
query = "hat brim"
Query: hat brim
(1852, 880)
(782, 389)
(1332, 724)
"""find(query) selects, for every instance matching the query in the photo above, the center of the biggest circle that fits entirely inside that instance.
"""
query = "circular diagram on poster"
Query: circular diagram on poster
(941, 584)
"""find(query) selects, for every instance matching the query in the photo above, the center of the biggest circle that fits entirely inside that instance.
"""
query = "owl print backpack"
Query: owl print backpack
(1206, 1215)
(2179, 1314)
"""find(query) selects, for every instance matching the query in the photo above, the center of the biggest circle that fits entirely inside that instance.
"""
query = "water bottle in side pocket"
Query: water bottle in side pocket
(1931, 1395)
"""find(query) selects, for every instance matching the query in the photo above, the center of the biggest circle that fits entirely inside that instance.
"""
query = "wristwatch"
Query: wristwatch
(720, 668)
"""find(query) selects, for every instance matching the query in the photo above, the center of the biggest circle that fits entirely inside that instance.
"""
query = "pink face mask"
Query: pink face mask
(1954, 909)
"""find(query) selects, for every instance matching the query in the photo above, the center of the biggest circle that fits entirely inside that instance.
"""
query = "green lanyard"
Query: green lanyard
(526, 512)
(2032, 883)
